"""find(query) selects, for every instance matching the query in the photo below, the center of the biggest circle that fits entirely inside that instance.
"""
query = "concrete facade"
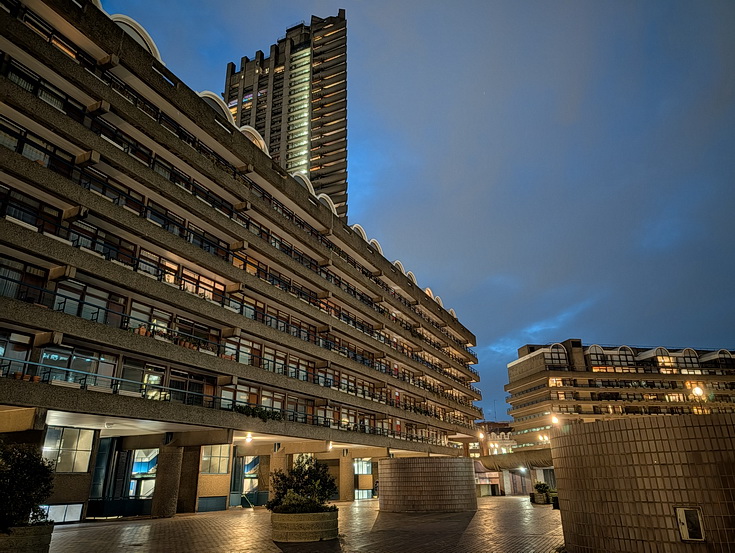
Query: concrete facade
(173, 304)
(622, 483)
(296, 99)
(569, 381)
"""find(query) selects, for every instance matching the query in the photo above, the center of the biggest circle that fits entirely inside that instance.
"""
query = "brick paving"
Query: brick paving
(500, 525)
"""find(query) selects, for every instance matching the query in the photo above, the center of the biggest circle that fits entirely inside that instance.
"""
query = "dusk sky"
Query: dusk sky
(551, 169)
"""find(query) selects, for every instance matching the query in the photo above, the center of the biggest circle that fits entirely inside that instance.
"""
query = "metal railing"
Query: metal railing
(44, 373)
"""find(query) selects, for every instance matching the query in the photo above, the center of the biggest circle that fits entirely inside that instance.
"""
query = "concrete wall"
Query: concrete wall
(427, 484)
(620, 483)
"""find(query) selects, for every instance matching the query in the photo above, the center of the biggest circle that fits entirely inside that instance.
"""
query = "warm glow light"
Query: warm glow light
(555, 419)
(522, 469)
(330, 446)
(482, 436)
(699, 392)
(249, 438)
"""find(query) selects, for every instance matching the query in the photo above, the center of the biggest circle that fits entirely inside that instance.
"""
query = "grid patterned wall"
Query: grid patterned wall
(427, 484)
(620, 482)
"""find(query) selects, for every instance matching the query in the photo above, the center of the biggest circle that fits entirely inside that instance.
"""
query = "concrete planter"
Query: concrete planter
(540, 498)
(304, 527)
(27, 539)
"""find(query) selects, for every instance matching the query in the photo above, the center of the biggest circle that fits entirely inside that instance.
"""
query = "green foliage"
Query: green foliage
(26, 481)
(259, 412)
(294, 503)
(541, 487)
(305, 488)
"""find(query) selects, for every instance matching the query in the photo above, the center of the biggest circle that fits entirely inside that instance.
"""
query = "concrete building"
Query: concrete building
(568, 381)
(296, 98)
(179, 315)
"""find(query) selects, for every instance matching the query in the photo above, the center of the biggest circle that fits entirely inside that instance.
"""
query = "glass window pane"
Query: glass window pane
(81, 461)
(85, 440)
(65, 461)
(69, 438)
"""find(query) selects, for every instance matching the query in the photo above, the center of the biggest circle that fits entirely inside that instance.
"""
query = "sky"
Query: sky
(550, 169)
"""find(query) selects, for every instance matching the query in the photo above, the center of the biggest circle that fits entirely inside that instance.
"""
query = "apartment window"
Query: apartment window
(215, 459)
(69, 448)
(556, 356)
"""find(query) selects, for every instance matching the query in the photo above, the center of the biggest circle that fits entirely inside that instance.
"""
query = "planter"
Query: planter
(304, 527)
(540, 498)
(27, 539)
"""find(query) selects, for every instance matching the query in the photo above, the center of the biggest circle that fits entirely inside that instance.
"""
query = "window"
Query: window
(215, 459)
(71, 512)
(689, 520)
(362, 466)
(69, 448)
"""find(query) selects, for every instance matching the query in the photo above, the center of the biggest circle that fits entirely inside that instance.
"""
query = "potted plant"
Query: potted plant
(542, 489)
(26, 481)
(299, 503)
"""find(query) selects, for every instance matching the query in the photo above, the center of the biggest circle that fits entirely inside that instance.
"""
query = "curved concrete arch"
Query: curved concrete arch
(411, 277)
(398, 265)
(628, 351)
(438, 300)
(723, 353)
(97, 4)
(217, 104)
(374, 243)
(453, 313)
(596, 349)
(253, 136)
(136, 30)
(662, 351)
(326, 200)
(361, 231)
(304, 181)
(429, 292)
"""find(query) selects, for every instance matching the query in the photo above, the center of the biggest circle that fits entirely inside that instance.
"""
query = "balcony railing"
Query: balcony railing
(49, 374)
(94, 312)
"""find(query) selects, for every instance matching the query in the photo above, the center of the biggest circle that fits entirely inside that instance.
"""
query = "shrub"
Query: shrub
(305, 488)
(26, 481)
(541, 487)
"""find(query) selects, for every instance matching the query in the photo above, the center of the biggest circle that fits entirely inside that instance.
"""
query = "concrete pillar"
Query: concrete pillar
(346, 478)
(168, 474)
(444, 484)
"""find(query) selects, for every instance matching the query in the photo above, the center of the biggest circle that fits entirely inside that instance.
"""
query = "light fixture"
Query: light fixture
(482, 436)
(697, 391)
(522, 469)
(330, 445)
(555, 419)
(249, 438)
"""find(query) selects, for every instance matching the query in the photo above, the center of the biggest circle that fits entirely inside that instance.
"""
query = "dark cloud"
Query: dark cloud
(551, 170)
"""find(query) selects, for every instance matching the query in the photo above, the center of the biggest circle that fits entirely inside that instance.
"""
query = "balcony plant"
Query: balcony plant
(26, 481)
(298, 503)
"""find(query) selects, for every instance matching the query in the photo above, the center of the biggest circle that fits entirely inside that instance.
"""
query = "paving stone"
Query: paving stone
(500, 525)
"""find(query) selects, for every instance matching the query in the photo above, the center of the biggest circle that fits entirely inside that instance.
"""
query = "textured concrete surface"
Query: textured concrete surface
(500, 525)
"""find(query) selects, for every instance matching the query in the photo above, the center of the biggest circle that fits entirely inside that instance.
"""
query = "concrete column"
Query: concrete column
(168, 474)
(346, 479)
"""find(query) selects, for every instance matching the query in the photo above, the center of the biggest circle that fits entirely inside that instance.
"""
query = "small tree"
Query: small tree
(26, 481)
(305, 488)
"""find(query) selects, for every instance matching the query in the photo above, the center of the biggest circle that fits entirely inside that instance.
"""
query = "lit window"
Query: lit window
(215, 459)
(69, 448)
(363, 466)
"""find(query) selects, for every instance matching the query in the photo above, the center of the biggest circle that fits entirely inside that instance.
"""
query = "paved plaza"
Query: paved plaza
(500, 525)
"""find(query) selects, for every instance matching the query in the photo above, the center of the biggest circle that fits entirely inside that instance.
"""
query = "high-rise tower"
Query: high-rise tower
(297, 100)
